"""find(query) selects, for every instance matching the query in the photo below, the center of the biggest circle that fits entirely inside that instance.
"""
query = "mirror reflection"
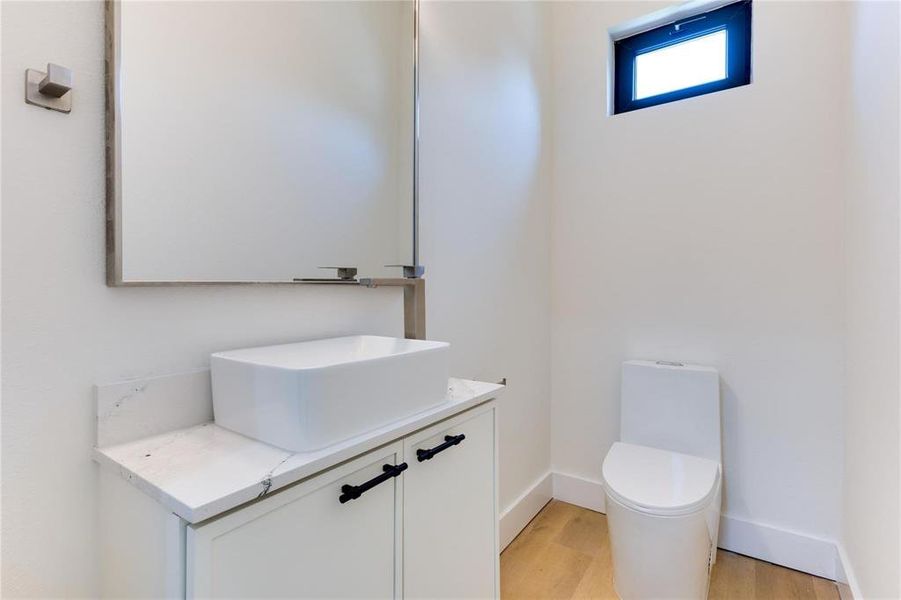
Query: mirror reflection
(259, 141)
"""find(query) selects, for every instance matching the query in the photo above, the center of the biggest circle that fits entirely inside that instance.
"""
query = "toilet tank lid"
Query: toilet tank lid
(657, 481)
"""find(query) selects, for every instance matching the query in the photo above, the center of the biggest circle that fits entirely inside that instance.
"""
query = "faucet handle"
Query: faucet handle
(411, 271)
(344, 273)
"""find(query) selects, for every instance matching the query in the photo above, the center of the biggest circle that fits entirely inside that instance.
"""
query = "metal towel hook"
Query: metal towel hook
(51, 89)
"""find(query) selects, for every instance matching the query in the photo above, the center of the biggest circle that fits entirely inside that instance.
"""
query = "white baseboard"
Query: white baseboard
(580, 491)
(848, 588)
(779, 546)
(522, 510)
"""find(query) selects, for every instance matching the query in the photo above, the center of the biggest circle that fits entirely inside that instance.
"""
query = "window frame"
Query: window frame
(734, 18)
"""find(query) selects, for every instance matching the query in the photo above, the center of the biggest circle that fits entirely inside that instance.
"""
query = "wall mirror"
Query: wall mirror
(257, 141)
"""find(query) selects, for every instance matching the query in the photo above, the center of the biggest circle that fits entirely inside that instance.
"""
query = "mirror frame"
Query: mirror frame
(114, 272)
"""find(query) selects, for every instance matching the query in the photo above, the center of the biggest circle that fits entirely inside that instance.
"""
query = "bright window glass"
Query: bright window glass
(682, 65)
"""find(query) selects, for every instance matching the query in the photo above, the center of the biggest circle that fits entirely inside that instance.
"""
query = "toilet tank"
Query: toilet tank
(671, 406)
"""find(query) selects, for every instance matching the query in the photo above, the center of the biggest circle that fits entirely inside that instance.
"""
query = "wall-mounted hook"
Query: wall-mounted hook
(51, 89)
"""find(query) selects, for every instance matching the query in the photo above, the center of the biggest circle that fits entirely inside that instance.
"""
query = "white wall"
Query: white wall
(64, 330)
(486, 211)
(708, 230)
(870, 532)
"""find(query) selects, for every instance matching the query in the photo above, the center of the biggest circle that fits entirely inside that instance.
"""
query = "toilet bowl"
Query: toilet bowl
(663, 481)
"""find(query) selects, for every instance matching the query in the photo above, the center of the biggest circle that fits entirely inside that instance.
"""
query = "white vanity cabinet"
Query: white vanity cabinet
(303, 542)
(425, 527)
(450, 513)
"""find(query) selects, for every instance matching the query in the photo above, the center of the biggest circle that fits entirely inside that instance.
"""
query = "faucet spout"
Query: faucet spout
(414, 302)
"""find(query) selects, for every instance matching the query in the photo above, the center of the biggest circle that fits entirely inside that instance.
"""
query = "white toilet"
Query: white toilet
(663, 481)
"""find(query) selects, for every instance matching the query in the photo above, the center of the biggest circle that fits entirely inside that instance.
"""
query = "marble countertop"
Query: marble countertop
(204, 470)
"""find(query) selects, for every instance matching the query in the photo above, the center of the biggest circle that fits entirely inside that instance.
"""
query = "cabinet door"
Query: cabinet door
(450, 509)
(302, 542)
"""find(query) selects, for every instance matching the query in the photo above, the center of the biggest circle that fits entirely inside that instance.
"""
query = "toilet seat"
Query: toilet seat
(659, 482)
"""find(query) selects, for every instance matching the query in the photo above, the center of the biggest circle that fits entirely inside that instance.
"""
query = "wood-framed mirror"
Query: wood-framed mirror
(258, 141)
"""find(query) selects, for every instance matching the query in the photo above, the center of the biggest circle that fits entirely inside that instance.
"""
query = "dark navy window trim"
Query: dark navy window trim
(734, 18)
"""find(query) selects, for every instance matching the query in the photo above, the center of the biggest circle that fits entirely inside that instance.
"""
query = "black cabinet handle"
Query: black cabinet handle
(352, 492)
(449, 440)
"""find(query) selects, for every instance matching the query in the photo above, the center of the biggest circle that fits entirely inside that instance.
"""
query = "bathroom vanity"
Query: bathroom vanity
(191, 509)
(352, 469)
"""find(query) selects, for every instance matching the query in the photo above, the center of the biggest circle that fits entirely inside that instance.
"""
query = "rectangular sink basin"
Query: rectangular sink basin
(310, 395)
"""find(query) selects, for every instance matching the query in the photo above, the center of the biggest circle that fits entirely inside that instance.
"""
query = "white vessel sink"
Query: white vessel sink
(310, 395)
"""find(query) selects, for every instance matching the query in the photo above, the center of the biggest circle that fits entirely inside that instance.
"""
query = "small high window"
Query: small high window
(704, 53)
